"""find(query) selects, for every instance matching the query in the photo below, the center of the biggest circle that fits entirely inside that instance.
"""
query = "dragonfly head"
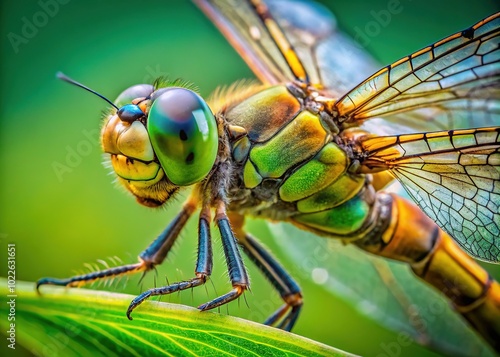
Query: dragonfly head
(159, 138)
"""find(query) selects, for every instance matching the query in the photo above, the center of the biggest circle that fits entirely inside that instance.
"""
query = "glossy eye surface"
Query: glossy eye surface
(183, 132)
(129, 94)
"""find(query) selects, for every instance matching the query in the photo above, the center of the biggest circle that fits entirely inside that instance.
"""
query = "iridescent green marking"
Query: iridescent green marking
(250, 176)
(315, 175)
(297, 142)
(341, 220)
(337, 193)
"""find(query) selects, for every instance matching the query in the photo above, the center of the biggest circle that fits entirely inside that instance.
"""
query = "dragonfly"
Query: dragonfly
(315, 143)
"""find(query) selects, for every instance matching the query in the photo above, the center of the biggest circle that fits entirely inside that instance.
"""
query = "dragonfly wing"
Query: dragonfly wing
(244, 29)
(454, 83)
(328, 59)
(333, 61)
(454, 176)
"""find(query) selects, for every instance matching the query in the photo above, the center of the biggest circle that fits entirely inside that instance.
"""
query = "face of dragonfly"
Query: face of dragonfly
(159, 140)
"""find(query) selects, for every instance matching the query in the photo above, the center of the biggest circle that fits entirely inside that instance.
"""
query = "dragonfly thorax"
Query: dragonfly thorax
(293, 164)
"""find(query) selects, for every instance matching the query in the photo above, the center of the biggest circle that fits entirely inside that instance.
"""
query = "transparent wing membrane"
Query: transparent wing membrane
(333, 61)
(299, 37)
(252, 31)
(459, 73)
(454, 176)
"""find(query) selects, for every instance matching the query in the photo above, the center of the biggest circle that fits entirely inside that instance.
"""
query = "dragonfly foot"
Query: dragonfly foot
(288, 313)
(224, 299)
(165, 290)
(136, 302)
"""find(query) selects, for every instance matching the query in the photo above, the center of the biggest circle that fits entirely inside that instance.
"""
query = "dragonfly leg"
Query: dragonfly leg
(153, 255)
(288, 289)
(236, 268)
(203, 266)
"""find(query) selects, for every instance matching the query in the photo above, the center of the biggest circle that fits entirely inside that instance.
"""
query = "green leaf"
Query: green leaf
(384, 290)
(80, 322)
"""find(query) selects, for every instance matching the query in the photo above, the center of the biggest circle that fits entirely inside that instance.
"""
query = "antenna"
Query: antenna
(65, 78)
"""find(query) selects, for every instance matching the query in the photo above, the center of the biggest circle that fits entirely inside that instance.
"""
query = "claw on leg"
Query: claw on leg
(165, 290)
(224, 299)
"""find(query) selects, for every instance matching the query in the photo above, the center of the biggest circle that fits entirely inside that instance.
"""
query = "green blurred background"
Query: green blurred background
(59, 204)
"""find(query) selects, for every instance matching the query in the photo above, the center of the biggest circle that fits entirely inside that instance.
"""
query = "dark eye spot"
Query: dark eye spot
(183, 135)
(190, 158)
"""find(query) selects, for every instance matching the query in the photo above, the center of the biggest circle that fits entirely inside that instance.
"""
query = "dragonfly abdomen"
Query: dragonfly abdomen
(433, 255)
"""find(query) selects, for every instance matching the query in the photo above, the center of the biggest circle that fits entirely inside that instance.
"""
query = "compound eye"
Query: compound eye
(184, 136)
(131, 93)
